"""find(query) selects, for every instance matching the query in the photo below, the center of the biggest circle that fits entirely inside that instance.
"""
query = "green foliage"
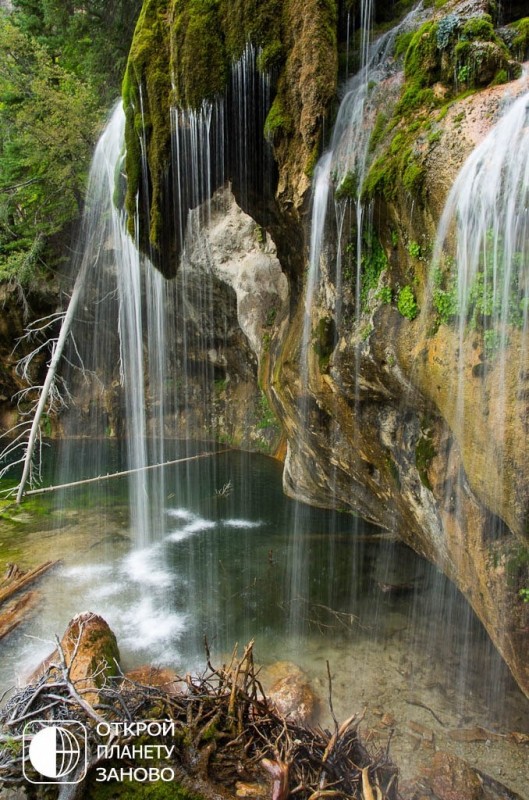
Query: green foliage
(374, 262)
(366, 331)
(89, 38)
(385, 295)
(524, 594)
(491, 342)
(348, 187)
(446, 30)
(267, 418)
(446, 304)
(520, 43)
(406, 303)
(48, 123)
(414, 249)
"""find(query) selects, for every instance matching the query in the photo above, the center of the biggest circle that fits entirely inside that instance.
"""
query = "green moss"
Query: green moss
(271, 57)
(424, 454)
(377, 133)
(277, 121)
(382, 178)
(422, 63)
(500, 77)
(392, 469)
(406, 303)
(159, 790)
(374, 263)
(312, 161)
(402, 43)
(324, 341)
(146, 88)
(413, 177)
(199, 59)
(258, 21)
(348, 187)
(479, 28)
(413, 97)
(520, 43)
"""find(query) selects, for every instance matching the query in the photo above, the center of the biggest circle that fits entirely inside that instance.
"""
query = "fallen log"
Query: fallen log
(124, 473)
(18, 611)
(16, 581)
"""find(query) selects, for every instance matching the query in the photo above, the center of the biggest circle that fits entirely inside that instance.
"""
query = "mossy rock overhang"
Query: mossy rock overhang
(182, 56)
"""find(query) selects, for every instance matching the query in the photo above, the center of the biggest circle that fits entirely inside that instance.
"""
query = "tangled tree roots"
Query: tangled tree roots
(228, 739)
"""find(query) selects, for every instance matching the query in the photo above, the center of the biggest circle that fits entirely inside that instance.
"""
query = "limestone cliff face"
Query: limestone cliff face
(371, 423)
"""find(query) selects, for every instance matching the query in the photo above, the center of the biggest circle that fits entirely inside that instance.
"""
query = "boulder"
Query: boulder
(90, 651)
(290, 692)
(451, 778)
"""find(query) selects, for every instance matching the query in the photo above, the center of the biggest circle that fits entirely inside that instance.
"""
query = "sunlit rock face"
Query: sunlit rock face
(413, 423)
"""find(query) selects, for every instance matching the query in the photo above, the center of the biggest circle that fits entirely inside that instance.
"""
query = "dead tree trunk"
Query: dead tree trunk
(50, 377)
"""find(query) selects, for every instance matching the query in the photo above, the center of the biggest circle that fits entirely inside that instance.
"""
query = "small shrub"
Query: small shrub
(406, 303)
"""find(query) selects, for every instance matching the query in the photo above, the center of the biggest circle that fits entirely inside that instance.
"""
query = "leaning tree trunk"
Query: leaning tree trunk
(50, 377)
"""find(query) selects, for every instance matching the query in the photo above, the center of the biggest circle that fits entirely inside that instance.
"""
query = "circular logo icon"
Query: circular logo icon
(54, 752)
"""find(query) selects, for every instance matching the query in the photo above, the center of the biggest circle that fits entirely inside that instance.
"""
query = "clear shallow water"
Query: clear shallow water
(306, 584)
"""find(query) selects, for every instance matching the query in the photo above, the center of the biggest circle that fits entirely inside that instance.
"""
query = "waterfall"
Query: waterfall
(155, 387)
(121, 287)
(485, 286)
(345, 165)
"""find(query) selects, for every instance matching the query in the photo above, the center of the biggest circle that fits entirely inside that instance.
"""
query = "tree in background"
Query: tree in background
(90, 38)
(48, 118)
(61, 66)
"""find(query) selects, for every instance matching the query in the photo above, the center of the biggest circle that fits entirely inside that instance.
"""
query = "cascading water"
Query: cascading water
(115, 288)
(485, 287)
(230, 567)
(336, 193)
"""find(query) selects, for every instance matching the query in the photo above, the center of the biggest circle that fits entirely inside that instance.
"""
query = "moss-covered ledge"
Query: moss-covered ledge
(182, 53)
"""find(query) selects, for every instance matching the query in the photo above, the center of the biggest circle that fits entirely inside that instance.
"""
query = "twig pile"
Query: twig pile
(228, 738)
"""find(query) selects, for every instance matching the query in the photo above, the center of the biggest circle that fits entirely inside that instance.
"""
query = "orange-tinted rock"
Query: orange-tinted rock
(451, 778)
(90, 651)
(290, 692)
(159, 677)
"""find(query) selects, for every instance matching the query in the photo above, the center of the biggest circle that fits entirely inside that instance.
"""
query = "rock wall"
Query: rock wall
(374, 427)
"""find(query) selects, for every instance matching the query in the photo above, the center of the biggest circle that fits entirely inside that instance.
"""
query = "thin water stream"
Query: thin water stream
(223, 568)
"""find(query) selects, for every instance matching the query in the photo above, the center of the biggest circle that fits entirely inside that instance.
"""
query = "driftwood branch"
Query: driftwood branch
(263, 753)
(123, 473)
